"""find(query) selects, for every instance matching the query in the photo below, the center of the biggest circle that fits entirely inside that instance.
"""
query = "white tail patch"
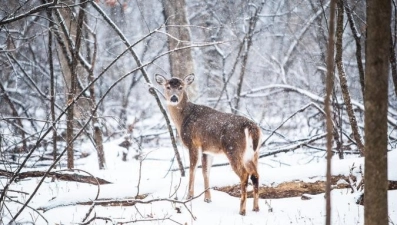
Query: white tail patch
(249, 148)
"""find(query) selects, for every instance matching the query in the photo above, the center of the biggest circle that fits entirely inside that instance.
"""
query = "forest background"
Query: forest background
(74, 72)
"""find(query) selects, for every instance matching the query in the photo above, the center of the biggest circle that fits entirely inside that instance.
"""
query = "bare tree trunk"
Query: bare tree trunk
(376, 106)
(327, 103)
(181, 62)
(357, 39)
(247, 43)
(322, 38)
(69, 122)
(98, 139)
(337, 125)
(343, 79)
(65, 61)
(52, 84)
(73, 88)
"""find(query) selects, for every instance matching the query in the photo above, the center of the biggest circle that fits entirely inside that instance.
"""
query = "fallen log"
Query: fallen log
(295, 188)
(56, 175)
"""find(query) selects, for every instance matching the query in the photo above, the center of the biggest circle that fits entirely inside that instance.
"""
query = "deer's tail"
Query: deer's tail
(252, 140)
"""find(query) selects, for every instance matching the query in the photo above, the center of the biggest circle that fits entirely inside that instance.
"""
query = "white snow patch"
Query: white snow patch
(157, 181)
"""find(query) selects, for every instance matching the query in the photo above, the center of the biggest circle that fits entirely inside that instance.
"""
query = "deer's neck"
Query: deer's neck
(180, 112)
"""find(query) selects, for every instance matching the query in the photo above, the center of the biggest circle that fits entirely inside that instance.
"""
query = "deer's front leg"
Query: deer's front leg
(193, 155)
(206, 162)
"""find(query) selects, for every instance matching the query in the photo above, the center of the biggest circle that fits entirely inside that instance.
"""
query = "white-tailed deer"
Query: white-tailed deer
(206, 132)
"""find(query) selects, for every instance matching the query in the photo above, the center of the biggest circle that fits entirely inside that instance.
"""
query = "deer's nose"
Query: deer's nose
(174, 99)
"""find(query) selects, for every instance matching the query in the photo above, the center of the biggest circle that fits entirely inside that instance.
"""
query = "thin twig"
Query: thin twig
(35, 210)
(292, 115)
(294, 146)
(11, 18)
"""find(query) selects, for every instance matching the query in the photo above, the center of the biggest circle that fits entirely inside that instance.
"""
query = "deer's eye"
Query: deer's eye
(168, 87)
(180, 88)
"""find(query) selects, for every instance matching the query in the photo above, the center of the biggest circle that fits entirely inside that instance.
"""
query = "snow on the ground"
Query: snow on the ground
(59, 197)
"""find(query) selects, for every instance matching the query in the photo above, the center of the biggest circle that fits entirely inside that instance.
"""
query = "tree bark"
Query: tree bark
(73, 88)
(177, 26)
(70, 125)
(328, 111)
(393, 64)
(343, 79)
(393, 61)
(376, 105)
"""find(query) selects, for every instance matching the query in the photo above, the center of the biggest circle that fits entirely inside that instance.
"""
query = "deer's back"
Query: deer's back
(216, 131)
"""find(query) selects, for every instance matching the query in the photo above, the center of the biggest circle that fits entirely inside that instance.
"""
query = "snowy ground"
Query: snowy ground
(59, 197)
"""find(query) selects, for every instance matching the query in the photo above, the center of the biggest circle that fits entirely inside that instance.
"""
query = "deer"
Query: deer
(207, 132)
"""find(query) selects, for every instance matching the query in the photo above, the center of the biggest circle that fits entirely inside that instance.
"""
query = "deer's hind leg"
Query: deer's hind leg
(255, 183)
(243, 198)
(251, 166)
(235, 152)
(242, 173)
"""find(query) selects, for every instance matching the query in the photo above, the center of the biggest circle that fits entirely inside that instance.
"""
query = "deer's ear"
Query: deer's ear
(189, 79)
(160, 79)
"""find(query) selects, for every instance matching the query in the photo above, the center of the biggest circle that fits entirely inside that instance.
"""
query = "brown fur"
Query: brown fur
(205, 131)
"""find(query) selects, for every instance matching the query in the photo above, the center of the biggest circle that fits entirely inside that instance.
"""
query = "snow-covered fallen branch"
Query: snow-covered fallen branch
(125, 222)
(57, 175)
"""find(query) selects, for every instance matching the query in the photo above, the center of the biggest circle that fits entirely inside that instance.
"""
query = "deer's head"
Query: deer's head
(174, 88)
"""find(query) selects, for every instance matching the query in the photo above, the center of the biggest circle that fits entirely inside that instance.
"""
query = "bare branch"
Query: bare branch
(294, 146)
(305, 28)
(15, 114)
(248, 43)
(13, 18)
(292, 115)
